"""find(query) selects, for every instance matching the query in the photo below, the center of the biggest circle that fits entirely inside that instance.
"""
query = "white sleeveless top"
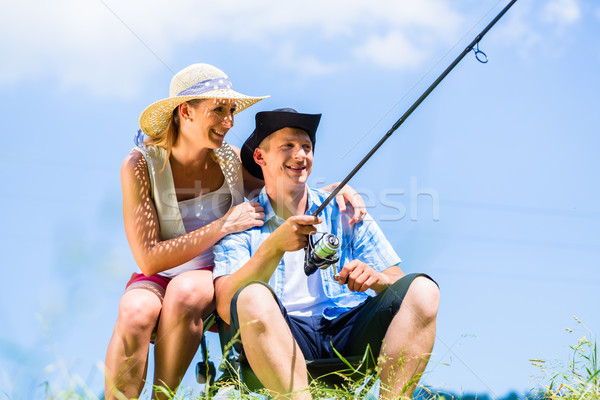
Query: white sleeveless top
(196, 213)
(169, 212)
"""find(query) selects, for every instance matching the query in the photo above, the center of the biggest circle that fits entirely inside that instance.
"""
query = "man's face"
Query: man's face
(287, 157)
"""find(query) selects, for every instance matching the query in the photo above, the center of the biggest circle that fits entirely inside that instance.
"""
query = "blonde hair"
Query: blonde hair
(265, 144)
(167, 138)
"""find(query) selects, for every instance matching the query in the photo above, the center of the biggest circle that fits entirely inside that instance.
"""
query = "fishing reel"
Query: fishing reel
(321, 254)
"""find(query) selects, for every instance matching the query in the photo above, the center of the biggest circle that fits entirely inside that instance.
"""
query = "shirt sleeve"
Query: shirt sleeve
(370, 245)
(231, 253)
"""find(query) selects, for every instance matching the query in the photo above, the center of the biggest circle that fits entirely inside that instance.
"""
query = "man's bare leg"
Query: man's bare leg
(409, 340)
(269, 345)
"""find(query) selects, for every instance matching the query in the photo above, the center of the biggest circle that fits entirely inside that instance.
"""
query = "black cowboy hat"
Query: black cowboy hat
(268, 122)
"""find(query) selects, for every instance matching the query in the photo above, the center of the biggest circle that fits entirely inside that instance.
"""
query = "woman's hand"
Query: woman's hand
(348, 195)
(242, 217)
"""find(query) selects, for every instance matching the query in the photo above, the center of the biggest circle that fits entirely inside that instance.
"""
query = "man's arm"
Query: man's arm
(360, 277)
(290, 236)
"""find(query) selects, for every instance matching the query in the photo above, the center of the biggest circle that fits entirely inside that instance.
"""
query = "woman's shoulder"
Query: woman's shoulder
(228, 154)
(226, 150)
(134, 156)
(134, 162)
(235, 149)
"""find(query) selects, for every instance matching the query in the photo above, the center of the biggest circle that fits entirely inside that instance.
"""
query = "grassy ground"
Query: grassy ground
(577, 378)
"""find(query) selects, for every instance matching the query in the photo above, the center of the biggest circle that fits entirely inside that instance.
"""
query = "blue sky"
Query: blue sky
(491, 186)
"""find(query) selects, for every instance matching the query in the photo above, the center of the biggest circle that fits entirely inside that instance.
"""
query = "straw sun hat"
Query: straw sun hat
(198, 81)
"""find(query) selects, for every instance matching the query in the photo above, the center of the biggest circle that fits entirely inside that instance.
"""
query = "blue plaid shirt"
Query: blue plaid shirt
(363, 241)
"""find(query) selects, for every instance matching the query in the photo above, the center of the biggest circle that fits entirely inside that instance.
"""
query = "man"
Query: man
(363, 299)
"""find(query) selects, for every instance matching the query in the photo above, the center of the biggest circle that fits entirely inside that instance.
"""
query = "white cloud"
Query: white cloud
(562, 12)
(75, 43)
(517, 30)
(391, 51)
(305, 65)
(110, 48)
(533, 29)
(413, 30)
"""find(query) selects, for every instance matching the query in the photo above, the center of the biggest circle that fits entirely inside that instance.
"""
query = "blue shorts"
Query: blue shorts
(350, 332)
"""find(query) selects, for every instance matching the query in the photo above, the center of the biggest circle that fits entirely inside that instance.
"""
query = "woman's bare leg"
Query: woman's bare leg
(189, 298)
(127, 354)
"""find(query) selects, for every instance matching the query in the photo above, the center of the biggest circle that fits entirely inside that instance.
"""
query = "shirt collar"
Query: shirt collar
(265, 202)
(313, 204)
(314, 201)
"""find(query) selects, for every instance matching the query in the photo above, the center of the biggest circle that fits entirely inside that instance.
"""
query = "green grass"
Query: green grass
(577, 378)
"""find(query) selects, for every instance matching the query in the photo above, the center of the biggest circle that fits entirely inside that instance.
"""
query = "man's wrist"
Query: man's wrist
(270, 249)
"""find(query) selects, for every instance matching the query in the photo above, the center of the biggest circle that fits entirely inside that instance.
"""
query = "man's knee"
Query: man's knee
(423, 298)
(255, 303)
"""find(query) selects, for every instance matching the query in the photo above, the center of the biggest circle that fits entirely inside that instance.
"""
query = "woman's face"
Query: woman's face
(209, 120)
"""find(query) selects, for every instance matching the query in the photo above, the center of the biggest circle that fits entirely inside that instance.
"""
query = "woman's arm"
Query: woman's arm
(349, 195)
(142, 224)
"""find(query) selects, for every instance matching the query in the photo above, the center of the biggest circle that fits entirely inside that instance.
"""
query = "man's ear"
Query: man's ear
(259, 157)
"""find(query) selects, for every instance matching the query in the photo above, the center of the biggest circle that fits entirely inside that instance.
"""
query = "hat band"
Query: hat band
(206, 86)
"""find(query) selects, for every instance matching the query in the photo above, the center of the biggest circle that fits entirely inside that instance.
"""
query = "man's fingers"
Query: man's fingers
(347, 269)
(356, 279)
(357, 275)
(367, 284)
(306, 220)
(303, 229)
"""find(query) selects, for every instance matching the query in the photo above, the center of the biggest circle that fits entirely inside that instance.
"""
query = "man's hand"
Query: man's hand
(360, 277)
(293, 234)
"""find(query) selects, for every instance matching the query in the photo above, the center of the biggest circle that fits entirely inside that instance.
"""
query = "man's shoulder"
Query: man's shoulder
(332, 209)
(322, 194)
(318, 196)
(238, 239)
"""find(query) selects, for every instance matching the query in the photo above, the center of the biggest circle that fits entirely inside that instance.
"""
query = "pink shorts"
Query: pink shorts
(160, 280)
(156, 284)
(157, 279)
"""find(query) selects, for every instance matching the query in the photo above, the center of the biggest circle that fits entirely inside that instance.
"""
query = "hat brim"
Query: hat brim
(156, 117)
(268, 122)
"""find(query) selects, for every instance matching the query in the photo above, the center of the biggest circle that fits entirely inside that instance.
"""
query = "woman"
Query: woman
(183, 191)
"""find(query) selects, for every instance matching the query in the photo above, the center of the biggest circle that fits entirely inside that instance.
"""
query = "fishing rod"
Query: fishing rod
(322, 253)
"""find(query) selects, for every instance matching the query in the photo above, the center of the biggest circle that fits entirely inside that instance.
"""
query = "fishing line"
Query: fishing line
(137, 37)
(416, 104)
(423, 77)
(322, 256)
